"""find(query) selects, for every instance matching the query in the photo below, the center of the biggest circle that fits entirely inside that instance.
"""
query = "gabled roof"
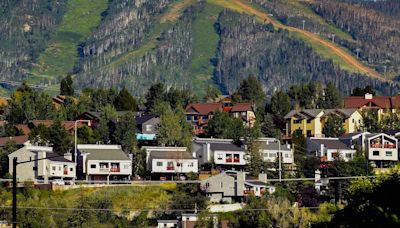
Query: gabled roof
(344, 112)
(203, 108)
(171, 155)
(361, 101)
(330, 143)
(145, 118)
(255, 183)
(241, 107)
(97, 152)
(271, 145)
(24, 128)
(225, 147)
(374, 135)
(304, 114)
(352, 135)
(56, 157)
(68, 125)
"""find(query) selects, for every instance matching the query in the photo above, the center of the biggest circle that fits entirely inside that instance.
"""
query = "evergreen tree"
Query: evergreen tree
(250, 90)
(224, 126)
(212, 93)
(280, 106)
(174, 130)
(66, 86)
(8, 148)
(332, 98)
(125, 101)
(255, 160)
(155, 93)
(59, 138)
(334, 126)
(268, 128)
(39, 135)
(125, 133)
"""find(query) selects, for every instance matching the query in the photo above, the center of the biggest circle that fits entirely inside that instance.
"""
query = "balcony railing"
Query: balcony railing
(236, 160)
(65, 172)
(115, 170)
(248, 192)
(393, 146)
(228, 160)
(170, 168)
(376, 145)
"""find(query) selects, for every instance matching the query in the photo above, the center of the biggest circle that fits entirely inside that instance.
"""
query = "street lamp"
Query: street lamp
(76, 136)
(279, 158)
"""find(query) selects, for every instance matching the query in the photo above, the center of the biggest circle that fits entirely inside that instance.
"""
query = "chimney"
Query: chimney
(262, 177)
(368, 96)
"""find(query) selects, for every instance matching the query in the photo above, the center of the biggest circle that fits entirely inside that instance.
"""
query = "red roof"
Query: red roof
(18, 139)
(241, 107)
(24, 128)
(68, 125)
(360, 102)
(203, 108)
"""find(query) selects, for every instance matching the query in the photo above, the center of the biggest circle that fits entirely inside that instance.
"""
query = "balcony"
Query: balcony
(228, 160)
(248, 192)
(236, 160)
(65, 172)
(115, 170)
(170, 168)
(391, 146)
(376, 145)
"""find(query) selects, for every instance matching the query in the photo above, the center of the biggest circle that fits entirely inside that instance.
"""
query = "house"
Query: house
(230, 185)
(355, 140)
(23, 129)
(381, 150)
(60, 99)
(147, 126)
(166, 162)
(312, 121)
(198, 114)
(103, 162)
(329, 148)
(69, 126)
(54, 167)
(168, 223)
(269, 148)
(382, 105)
(222, 152)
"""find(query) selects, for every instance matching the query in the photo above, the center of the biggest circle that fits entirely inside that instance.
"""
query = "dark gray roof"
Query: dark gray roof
(98, 114)
(372, 135)
(306, 113)
(349, 135)
(392, 132)
(145, 118)
(54, 157)
(171, 155)
(225, 146)
(331, 143)
(105, 154)
(272, 146)
(344, 112)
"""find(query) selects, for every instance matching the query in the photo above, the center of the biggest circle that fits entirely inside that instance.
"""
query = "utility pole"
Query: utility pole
(14, 192)
(333, 38)
(358, 52)
(304, 22)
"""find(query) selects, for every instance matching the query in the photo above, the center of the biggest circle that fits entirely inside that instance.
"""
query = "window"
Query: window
(34, 168)
(375, 153)
(352, 120)
(349, 155)
(188, 117)
(93, 166)
(53, 168)
(297, 121)
(149, 127)
(195, 117)
(190, 164)
(222, 185)
(389, 153)
(59, 168)
(286, 155)
(244, 113)
(71, 169)
(159, 164)
(309, 121)
(178, 164)
(219, 156)
(272, 155)
(308, 133)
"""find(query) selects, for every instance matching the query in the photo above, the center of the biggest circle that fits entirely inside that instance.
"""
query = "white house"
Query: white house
(52, 166)
(269, 148)
(170, 161)
(329, 148)
(222, 152)
(381, 149)
(103, 162)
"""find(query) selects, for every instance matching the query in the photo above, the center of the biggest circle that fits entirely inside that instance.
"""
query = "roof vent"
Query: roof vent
(368, 96)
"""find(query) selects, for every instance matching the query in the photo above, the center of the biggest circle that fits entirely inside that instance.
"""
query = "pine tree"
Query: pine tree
(334, 126)
(125, 101)
(66, 86)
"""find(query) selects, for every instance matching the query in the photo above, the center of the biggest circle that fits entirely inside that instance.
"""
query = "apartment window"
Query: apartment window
(244, 113)
(34, 168)
(375, 153)
(93, 166)
(219, 156)
(389, 153)
(195, 117)
(308, 133)
(159, 164)
(71, 169)
(59, 168)
(297, 121)
(286, 155)
(349, 156)
(309, 121)
(149, 127)
(178, 164)
(353, 120)
(222, 185)
(53, 168)
(190, 164)
(188, 117)
(272, 155)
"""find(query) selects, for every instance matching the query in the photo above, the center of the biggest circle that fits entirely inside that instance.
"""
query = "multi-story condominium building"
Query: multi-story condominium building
(269, 148)
(382, 105)
(166, 162)
(54, 166)
(312, 121)
(327, 149)
(381, 150)
(103, 163)
(222, 152)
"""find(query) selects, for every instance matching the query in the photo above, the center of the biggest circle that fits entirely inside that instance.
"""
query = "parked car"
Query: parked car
(58, 182)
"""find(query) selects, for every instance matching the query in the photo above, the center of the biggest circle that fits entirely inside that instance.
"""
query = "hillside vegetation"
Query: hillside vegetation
(134, 44)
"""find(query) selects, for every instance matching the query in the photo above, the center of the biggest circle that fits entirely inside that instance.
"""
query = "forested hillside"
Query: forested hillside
(193, 44)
